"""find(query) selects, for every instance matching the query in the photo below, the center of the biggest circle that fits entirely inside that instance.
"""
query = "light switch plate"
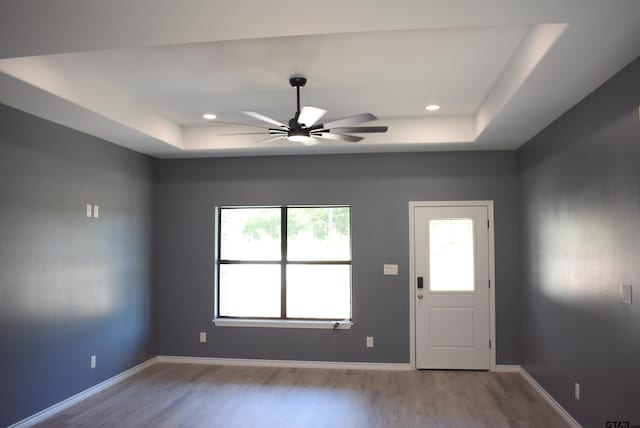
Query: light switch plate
(96, 211)
(390, 269)
(627, 294)
(93, 362)
(89, 208)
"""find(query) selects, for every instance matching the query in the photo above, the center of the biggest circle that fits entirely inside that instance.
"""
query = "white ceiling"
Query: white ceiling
(348, 73)
(140, 74)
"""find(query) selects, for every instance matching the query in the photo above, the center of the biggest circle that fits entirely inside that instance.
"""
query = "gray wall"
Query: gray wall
(378, 187)
(69, 286)
(580, 205)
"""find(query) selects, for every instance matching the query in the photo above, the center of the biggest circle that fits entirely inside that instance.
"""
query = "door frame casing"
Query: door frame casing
(492, 277)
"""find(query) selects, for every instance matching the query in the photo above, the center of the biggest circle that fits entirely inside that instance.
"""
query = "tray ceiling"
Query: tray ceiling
(143, 77)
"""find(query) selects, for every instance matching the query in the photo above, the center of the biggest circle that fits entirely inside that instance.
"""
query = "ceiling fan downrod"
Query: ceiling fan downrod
(297, 82)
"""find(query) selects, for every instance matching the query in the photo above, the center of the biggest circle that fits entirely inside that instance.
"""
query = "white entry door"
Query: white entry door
(451, 286)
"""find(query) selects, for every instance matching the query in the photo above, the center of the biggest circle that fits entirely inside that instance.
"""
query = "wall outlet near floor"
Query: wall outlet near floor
(626, 292)
(203, 337)
(390, 269)
(93, 362)
(369, 341)
(576, 390)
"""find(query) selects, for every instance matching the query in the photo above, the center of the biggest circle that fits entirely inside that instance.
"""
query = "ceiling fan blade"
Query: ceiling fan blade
(264, 118)
(268, 140)
(310, 115)
(347, 121)
(221, 122)
(248, 133)
(360, 129)
(338, 137)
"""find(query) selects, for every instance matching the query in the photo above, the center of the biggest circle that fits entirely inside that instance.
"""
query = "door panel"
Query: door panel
(452, 308)
(451, 327)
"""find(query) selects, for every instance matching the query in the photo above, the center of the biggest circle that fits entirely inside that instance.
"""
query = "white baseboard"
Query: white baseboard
(504, 368)
(543, 393)
(284, 363)
(62, 405)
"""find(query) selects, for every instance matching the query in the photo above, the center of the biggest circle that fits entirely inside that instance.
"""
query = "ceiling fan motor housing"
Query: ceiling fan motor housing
(297, 81)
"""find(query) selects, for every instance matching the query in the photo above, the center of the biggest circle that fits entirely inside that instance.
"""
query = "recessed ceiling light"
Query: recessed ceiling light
(432, 107)
(209, 116)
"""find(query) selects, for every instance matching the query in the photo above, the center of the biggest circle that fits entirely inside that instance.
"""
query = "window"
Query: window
(451, 255)
(284, 263)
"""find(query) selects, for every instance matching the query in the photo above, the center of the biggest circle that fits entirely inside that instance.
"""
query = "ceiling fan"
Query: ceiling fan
(304, 128)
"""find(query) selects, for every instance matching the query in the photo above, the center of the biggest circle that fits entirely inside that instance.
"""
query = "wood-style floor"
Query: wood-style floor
(184, 395)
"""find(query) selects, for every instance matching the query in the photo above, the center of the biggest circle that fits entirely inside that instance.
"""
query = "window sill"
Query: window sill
(321, 324)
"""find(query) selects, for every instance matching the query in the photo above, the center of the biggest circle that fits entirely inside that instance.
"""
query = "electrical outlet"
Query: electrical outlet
(390, 269)
(576, 391)
(203, 337)
(93, 362)
(369, 341)
(96, 211)
(89, 210)
(626, 292)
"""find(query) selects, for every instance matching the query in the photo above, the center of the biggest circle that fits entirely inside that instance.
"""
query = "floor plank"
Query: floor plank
(187, 395)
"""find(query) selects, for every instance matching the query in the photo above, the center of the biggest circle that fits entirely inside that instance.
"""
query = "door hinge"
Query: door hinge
(488, 224)
(489, 343)
(489, 283)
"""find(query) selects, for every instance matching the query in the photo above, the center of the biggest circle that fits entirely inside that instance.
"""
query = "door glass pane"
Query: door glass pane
(250, 290)
(319, 291)
(250, 234)
(318, 233)
(451, 266)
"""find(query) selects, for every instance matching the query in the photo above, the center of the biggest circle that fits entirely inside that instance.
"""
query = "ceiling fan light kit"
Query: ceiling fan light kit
(299, 136)
(304, 128)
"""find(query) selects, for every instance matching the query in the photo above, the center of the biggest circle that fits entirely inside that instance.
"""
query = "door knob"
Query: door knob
(420, 296)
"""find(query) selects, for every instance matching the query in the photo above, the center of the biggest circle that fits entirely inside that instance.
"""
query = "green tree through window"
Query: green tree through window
(321, 222)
